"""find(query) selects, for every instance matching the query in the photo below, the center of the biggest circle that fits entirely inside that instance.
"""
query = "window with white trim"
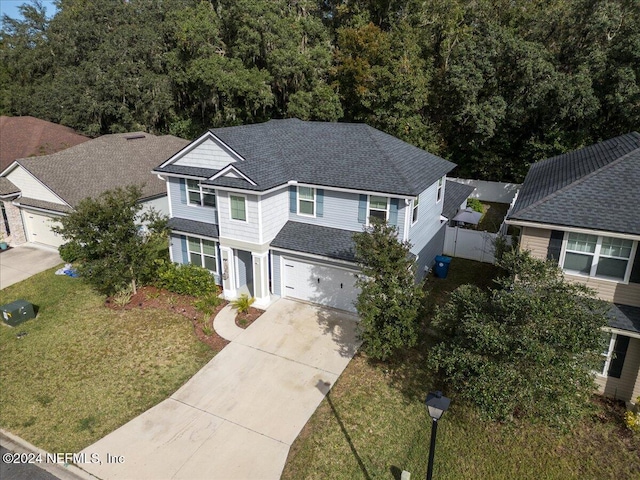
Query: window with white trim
(597, 256)
(307, 201)
(238, 206)
(200, 195)
(614, 356)
(203, 253)
(414, 213)
(378, 208)
(439, 189)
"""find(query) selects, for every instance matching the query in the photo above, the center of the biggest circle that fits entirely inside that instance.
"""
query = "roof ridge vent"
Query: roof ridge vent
(135, 137)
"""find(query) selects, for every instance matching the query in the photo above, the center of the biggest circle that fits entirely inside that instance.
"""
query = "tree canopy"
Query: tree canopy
(389, 299)
(527, 348)
(492, 85)
(115, 240)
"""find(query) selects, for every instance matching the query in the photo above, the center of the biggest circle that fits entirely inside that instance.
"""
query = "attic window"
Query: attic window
(135, 137)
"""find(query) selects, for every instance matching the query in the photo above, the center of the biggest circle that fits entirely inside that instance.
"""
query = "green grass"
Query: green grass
(82, 370)
(493, 217)
(374, 424)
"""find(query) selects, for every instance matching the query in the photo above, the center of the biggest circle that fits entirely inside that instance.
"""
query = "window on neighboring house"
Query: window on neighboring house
(306, 201)
(202, 253)
(439, 190)
(238, 208)
(414, 214)
(378, 208)
(199, 195)
(614, 355)
(597, 256)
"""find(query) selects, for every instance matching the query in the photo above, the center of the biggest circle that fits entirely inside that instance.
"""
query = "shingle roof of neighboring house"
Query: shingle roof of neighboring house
(7, 188)
(104, 163)
(595, 187)
(22, 137)
(347, 155)
(54, 207)
(317, 240)
(624, 317)
(454, 194)
(191, 226)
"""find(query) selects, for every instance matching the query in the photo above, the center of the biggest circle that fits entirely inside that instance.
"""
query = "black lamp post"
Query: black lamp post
(437, 405)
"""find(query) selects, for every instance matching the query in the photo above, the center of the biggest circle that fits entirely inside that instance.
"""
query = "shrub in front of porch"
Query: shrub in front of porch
(187, 279)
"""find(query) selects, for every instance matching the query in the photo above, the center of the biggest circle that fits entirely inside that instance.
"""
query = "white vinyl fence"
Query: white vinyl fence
(491, 191)
(470, 244)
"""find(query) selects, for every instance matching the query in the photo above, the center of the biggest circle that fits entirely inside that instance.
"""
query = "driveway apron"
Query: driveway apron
(19, 263)
(238, 416)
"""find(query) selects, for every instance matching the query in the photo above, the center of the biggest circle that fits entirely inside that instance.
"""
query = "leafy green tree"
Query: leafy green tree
(113, 247)
(527, 348)
(390, 298)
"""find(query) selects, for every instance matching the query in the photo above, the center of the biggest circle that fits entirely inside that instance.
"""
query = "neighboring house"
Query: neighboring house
(271, 208)
(581, 210)
(36, 191)
(22, 137)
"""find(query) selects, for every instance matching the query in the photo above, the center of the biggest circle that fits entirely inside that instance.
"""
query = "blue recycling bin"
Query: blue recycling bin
(442, 266)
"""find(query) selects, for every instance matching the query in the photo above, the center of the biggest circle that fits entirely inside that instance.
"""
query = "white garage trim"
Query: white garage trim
(299, 277)
(38, 228)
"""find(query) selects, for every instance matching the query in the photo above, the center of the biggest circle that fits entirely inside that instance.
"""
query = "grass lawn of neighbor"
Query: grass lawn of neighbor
(374, 424)
(80, 370)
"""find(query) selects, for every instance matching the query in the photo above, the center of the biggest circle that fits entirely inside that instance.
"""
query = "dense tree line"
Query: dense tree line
(490, 84)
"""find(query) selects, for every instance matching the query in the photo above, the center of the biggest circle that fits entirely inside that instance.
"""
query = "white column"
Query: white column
(260, 262)
(228, 273)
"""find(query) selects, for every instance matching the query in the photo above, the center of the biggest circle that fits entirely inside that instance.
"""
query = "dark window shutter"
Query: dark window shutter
(183, 190)
(362, 209)
(619, 352)
(555, 245)
(185, 253)
(393, 212)
(635, 269)
(293, 199)
(319, 202)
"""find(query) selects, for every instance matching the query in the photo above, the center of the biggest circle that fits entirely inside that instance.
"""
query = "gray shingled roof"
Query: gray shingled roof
(7, 188)
(595, 187)
(454, 194)
(104, 163)
(625, 317)
(347, 155)
(324, 241)
(191, 226)
(54, 207)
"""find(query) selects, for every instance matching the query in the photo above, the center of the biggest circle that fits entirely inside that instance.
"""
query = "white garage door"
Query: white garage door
(334, 287)
(39, 229)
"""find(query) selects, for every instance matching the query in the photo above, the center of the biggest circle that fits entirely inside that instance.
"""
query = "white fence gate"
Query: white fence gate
(470, 244)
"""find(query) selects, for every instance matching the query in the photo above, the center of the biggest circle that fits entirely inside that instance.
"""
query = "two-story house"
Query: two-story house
(581, 210)
(270, 209)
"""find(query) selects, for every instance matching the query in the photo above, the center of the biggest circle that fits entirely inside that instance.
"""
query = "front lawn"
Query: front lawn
(82, 369)
(373, 424)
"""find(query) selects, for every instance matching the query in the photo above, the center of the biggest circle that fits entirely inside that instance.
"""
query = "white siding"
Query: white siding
(275, 213)
(208, 154)
(30, 187)
(234, 229)
(160, 205)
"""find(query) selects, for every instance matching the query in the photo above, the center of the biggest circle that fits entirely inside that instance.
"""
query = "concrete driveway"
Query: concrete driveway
(19, 263)
(238, 416)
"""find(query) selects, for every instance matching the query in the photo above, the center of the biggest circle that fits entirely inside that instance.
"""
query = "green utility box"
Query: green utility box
(17, 312)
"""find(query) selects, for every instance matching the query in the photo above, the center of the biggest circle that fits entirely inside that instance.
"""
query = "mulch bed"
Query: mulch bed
(243, 320)
(152, 297)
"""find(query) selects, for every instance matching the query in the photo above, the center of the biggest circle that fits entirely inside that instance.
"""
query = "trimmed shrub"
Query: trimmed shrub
(187, 280)
(475, 204)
